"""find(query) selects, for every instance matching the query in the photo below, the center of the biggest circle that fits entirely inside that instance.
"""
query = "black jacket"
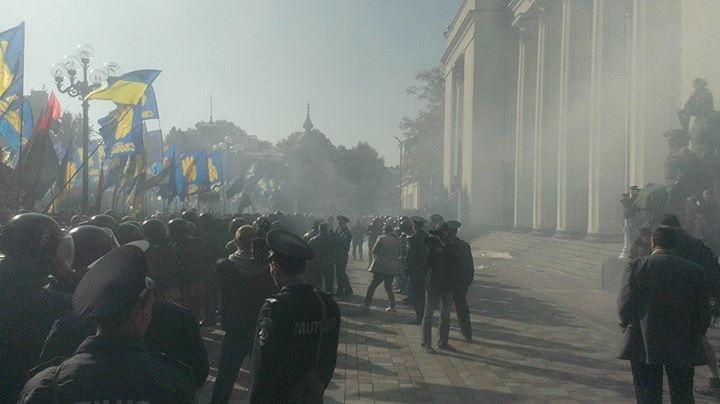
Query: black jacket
(417, 253)
(460, 260)
(110, 369)
(27, 312)
(664, 309)
(244, 286)
(286, 342)
(173, 331)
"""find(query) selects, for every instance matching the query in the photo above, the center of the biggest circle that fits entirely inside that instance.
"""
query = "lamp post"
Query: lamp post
(65, 73)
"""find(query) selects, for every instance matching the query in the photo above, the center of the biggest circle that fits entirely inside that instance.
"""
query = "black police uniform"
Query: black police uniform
(113, 367)
(297, 335)
(173, 332)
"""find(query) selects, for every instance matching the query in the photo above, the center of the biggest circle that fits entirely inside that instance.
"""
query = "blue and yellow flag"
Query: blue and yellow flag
(113, 170)
(122, 131)
(149, 104)
(193, 173)
(12, 55)
(10, 133)
(126, 89)
(216, 168)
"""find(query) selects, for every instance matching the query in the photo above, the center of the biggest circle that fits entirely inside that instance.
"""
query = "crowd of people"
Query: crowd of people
(111, 308)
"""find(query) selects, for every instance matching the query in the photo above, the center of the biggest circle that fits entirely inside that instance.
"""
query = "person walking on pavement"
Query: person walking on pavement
(438, 290)
(384, 267)
(358, 238)
(296, 339)
(459, 255)
(416, 267)
(244, 286)
(320, 268)
(344, 239)
(664, 312)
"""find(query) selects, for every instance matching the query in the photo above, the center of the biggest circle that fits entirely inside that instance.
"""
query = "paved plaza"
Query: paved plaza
(538, 337)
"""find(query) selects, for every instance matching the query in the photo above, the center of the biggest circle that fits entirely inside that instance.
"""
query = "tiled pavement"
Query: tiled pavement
(536, 340)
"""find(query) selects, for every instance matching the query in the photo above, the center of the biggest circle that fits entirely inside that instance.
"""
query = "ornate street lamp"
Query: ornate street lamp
(66, 73)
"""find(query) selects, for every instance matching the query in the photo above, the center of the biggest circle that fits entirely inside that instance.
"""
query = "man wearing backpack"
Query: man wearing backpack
(297, 333)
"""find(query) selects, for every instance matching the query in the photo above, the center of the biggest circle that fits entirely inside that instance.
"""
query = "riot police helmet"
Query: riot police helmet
(180, 229)
(30, 235)
(91, 242)
(128, 232)
(103, 221)
(155, 231)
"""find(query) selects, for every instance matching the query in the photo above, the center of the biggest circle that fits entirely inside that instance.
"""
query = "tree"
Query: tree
(68, 129)
(423, 142)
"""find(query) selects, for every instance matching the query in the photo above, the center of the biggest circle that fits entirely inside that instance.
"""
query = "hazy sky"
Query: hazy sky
(261, 59)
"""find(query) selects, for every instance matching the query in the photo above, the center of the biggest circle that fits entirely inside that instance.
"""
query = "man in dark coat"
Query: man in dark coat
(695, 250)
(460, 257)
(664, 311)
(320, 268)
(344, 239)
(244, 286)
(358, 238)
(296, 341)
(438, 290)
(416, 267)
(27, 310)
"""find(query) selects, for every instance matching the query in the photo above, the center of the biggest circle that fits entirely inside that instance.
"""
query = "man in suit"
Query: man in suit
(664, 312)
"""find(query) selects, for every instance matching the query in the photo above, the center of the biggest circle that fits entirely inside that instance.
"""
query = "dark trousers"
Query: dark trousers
(416, 294)
(648, 382)
(463, 311)
(377, 279)
(342, 279)
(235, 347)
(317, 276)
(357, 248)
(211, 299)
(435, 299)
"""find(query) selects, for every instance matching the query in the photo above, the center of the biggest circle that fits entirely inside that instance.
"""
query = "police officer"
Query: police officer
(162, 260)
(89, 243)
(297, 331)
(343, 237)
(459, 255)
(416, 267)
(114, 365)
(30, 243)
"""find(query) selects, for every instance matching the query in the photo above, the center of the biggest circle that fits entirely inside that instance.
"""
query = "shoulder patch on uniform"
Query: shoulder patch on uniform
(264, 329)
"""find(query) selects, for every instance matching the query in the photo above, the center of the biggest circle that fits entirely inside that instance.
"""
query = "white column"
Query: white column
(538, 160)
(522, 210)
(607, 122)
(449, 130)
(562, 202)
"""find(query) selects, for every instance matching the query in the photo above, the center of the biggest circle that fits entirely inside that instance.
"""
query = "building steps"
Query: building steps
(578, 258)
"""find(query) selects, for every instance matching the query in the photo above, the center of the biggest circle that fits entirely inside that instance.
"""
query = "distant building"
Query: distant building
(554, 107)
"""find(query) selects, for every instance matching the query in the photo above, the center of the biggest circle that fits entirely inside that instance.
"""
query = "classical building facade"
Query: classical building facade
(554, 107)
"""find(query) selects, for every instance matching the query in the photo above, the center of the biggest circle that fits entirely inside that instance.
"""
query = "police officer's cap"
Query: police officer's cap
(343, 219)
(437, 218)
(453, 224)
(418, 219)
(113, 283)
(283, 242)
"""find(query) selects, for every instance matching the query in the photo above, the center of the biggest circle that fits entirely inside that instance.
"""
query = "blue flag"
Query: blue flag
(122, 131)
(192, 173)
(216, 168)
(149, 104)
(12, 55)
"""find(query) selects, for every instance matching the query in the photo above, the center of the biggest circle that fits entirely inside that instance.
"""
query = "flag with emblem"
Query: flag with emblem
(12, 55)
